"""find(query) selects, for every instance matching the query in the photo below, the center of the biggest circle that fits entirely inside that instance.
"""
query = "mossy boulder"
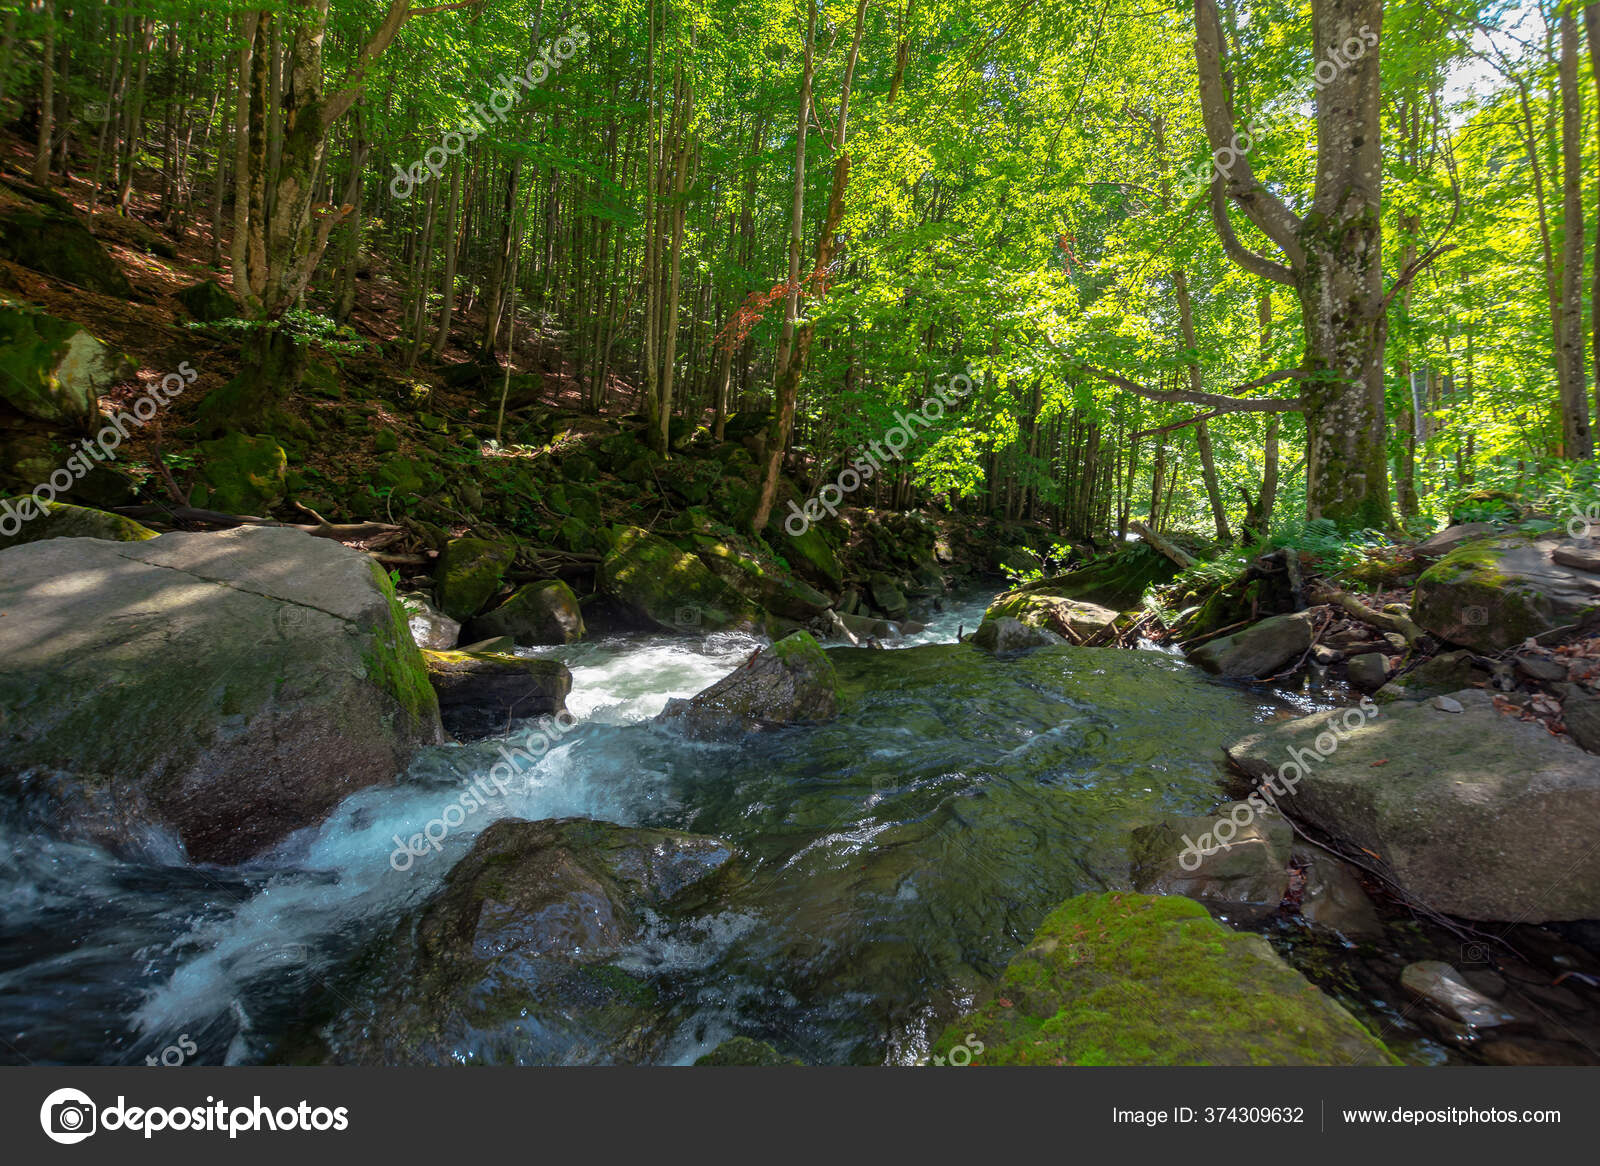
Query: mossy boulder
(53, 370)
(207, 302)
(1005, 635)
(58, 244)
(766, 586)
(1118, 581)
(1491, 594)
(1122, 979)
(62, 520)
(666, 587)
(1072, 619)
(468, 574)
(222, 690)
(792, 682)
(520, 957)
(545, 612)
(242, 475)
(810, 554)
(1475, 813)
(482, 694)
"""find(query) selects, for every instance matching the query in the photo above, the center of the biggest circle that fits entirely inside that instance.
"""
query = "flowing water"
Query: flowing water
(889, 862)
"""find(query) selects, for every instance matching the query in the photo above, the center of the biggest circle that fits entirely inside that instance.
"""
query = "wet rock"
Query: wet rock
(179, 683)
(515, 959)
(430, 628)
(1122, 979)
(1527, 1051)
(1261, 650)
(1491, 594)
(1430, 794)
(468, 574)
(546, 612)
(865, 627)
(482, 693)
(1442, 986)
(792, 682)
(1442, 674)
(1005, 634)
(888, 598)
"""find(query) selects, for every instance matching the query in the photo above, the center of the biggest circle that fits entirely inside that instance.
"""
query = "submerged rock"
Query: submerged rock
(546, 612)
(230, 688)
(482, 693)
(793, 682)
(1475, 813)
(510, 961)
(1261, 650)
(1119, 979)
(1442, 986)
(742, 1050)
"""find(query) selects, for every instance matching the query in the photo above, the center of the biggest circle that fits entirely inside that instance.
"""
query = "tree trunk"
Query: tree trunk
(47, 97)
(1577, 438)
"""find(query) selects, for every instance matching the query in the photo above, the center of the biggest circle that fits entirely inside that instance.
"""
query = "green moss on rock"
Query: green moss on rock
(395, 663)
(468, 574)
(243, 475)
(62, 520)
(1121, 979)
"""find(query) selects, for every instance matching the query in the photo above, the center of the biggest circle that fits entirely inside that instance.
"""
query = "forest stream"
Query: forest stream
(888, 863)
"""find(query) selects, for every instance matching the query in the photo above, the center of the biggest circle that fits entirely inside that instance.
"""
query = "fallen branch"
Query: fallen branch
(1357, 610)
(1176, 554)
(339, 532)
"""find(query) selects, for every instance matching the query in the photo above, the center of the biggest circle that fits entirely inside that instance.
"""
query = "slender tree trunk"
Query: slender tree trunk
(1576, 435)
(47, 97)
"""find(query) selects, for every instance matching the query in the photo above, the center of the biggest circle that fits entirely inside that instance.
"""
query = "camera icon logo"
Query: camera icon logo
(1474, 616)
(68, 1116)
(688, 617)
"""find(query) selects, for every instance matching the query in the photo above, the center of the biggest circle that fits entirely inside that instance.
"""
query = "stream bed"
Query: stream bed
(890, 862)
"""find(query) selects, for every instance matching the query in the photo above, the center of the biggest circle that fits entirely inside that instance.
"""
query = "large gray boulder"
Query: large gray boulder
(1492, 594)
(1475, 813)
(229, 688)
(1260, 650)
